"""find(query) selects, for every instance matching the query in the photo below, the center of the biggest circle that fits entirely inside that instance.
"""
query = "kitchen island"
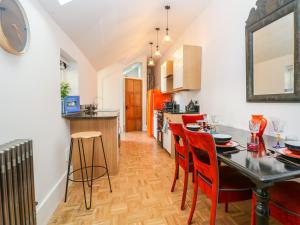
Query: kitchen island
(107, 122)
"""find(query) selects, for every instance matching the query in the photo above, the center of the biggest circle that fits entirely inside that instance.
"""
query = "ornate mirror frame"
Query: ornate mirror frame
(266, 12)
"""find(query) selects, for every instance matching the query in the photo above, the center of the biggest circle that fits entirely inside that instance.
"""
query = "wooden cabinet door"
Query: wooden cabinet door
(178, 69)
(133, 105)
(163, 79)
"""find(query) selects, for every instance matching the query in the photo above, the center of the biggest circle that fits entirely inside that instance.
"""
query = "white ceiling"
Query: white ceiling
(110, 31)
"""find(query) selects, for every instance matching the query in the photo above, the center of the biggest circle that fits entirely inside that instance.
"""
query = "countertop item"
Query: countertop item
(181, 112)
(95, 115)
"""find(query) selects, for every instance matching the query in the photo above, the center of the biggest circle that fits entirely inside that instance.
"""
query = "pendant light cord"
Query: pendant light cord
(157, 30)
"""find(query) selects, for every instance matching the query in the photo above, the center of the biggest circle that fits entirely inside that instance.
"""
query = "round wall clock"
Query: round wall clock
(14, 27)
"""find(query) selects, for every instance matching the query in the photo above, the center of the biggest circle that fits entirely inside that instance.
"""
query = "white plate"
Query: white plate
(193, 126)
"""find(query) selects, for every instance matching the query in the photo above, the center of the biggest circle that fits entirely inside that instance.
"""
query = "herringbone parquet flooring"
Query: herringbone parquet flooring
(141, 194)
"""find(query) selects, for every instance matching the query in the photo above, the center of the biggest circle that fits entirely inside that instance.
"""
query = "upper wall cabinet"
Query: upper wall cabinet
(187, 68)
(166, 76)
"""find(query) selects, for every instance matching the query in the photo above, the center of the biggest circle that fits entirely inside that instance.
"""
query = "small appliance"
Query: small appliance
(171, 107)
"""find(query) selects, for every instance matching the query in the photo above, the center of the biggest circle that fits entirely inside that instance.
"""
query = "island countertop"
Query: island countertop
(95, 115)
(106, 122)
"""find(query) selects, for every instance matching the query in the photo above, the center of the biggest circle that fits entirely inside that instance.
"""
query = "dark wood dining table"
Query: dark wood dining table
(264, 167)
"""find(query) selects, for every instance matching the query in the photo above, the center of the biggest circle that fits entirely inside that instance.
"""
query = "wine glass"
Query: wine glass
(254, 126)
(214, 123)
(278, 126)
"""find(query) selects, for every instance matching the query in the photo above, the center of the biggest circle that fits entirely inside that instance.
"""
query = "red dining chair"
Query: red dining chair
(183, 158)
(221, 184)
(186, 119)
(284, 203)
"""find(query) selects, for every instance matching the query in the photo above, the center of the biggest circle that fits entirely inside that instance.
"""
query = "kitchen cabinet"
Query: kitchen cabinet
(163, 80)
(166, 76)
(187, 68)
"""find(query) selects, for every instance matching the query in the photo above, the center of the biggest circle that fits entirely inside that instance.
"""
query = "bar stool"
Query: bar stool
(83, 167)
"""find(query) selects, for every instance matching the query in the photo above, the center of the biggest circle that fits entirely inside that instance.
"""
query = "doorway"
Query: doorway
(133, 104)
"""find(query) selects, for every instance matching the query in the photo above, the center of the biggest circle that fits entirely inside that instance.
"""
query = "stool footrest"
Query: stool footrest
(89, 179)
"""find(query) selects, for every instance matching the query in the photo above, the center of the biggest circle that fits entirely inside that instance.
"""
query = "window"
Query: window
(133, 71)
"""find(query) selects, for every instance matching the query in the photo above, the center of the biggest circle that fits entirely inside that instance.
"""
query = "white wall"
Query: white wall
(269, 75)
(220, 30)
(111, 88)
(30, 102)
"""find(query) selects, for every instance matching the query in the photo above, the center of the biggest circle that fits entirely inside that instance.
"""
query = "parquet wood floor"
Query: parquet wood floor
(141, 194)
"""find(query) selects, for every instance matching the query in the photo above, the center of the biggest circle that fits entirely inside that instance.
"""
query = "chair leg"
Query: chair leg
(69, 166)
(195, 195)
(193, 177)
(213, 210)
(186, 178)
(226, 207)
(175, 177)
(92, 173)
(86, 171)
(82, 176)
(106, 164)
(253, 219)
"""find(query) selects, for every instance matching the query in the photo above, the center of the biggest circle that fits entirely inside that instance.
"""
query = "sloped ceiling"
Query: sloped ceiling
(111, 31)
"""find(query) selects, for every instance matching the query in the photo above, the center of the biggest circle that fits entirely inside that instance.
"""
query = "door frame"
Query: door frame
(124, 99)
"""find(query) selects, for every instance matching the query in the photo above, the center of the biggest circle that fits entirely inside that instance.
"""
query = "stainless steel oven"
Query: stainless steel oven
(160, 124)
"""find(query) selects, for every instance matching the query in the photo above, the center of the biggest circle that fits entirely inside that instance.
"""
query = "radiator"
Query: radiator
(17, 193)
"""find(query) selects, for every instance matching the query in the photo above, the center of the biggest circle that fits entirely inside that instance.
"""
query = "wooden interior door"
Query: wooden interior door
(133, 104)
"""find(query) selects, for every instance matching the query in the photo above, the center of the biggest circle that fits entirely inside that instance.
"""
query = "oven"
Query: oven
(160, 124)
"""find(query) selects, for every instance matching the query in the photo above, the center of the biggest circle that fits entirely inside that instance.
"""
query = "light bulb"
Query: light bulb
(151, 62)
(167, 38)
(157, 53)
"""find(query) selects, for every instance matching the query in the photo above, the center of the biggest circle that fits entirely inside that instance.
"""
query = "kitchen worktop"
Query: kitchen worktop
(95, 115)
(181, 112)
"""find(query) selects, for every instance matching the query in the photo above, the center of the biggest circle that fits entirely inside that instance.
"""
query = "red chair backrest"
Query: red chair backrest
(200, 142)
(180, 139)
(186, 119)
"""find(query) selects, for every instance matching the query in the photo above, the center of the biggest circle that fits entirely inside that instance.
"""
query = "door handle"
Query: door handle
(126, 107)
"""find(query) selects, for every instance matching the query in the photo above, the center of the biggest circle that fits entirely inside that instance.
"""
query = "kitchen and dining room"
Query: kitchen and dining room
(166, 112)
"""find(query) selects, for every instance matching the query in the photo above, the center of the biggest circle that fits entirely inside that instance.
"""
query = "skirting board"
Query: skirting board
(49, 204)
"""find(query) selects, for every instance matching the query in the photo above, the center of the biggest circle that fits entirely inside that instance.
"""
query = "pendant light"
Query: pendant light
(157, 52)
(167, 37)
(151, 61)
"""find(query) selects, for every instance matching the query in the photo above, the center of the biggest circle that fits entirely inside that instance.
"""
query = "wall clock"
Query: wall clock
(14, 27)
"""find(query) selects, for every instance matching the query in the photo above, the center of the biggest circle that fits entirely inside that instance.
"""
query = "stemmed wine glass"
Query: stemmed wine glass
(278, 126)
(213, 123)
(253, 143)
(254, 126)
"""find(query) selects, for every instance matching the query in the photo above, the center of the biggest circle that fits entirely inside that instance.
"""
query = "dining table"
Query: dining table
(264, 167)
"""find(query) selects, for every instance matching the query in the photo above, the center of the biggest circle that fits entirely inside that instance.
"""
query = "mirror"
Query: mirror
(273, 57)
(272, 52)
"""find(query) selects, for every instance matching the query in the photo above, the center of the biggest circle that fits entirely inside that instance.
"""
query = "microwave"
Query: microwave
(71, 104)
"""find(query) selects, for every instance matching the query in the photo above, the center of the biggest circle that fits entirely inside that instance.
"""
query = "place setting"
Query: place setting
(224, 142)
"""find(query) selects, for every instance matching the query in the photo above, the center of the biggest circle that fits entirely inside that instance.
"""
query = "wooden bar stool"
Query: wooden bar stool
(83, 166)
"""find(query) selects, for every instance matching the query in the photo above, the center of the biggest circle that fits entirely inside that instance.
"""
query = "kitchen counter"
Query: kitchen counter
(106, 122)
(95, 115)
(181, 112)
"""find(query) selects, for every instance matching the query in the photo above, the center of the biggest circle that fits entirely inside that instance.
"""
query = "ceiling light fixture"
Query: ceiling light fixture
(157, 52)
(151, 60)
(63, 2)
(167, 37)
